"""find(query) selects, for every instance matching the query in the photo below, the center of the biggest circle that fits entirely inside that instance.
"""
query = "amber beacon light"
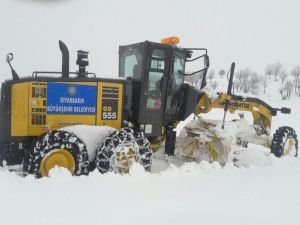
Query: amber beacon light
(170, 40)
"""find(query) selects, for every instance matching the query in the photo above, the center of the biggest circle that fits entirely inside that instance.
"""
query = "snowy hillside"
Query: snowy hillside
(264, 192)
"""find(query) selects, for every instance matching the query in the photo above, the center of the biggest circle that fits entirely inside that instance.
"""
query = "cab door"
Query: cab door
(174, 86)
(154, 90)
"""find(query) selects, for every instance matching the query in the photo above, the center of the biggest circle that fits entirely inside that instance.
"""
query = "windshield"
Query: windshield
(178, 70)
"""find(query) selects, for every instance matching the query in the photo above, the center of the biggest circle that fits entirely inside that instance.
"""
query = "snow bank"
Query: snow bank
(191, 194)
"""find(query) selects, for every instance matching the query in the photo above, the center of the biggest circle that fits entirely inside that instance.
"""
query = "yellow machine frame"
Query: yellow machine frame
(262, 116)
(29, 112)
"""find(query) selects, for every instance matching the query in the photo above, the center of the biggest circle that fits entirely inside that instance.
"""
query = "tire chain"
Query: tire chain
(106, 150)
(279, 138)
(56, 139)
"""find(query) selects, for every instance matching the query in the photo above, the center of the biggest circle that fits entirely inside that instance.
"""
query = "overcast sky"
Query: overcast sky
(251, 33)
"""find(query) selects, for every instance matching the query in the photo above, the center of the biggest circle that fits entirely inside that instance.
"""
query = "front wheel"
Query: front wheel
(122, 148)
(57, 148)
(284, 142)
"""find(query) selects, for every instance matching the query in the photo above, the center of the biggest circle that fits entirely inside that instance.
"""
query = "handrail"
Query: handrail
(35, 73)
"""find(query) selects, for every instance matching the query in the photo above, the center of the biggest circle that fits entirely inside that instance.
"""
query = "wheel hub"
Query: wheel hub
(57, 157)
(124, 157)
(289, 147)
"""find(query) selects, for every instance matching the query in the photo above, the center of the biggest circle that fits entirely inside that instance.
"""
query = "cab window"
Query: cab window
(131, 63)
(156, 73)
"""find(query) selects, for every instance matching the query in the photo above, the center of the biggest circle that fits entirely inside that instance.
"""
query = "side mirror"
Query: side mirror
(9, 57)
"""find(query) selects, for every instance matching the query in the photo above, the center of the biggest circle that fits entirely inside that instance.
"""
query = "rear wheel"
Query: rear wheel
(122, 148)
(284, 142)
(57, 148)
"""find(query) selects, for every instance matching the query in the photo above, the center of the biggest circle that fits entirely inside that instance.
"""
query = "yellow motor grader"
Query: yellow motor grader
(80, 121)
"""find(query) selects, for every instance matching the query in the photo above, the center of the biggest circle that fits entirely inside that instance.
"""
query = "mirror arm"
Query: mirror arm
(197, 49)
(191, 60)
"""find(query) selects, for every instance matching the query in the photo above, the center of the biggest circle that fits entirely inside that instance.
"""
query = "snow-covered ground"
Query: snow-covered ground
(266, 192)
(192, 194)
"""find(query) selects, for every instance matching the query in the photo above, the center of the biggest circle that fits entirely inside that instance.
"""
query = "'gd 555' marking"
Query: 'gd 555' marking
(109, 109)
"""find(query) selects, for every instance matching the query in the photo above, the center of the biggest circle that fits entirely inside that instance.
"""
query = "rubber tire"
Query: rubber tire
(56, 139)
(279, 139)
(105, 151)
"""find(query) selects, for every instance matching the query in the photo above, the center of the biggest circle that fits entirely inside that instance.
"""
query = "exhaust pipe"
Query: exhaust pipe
(65, 59)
